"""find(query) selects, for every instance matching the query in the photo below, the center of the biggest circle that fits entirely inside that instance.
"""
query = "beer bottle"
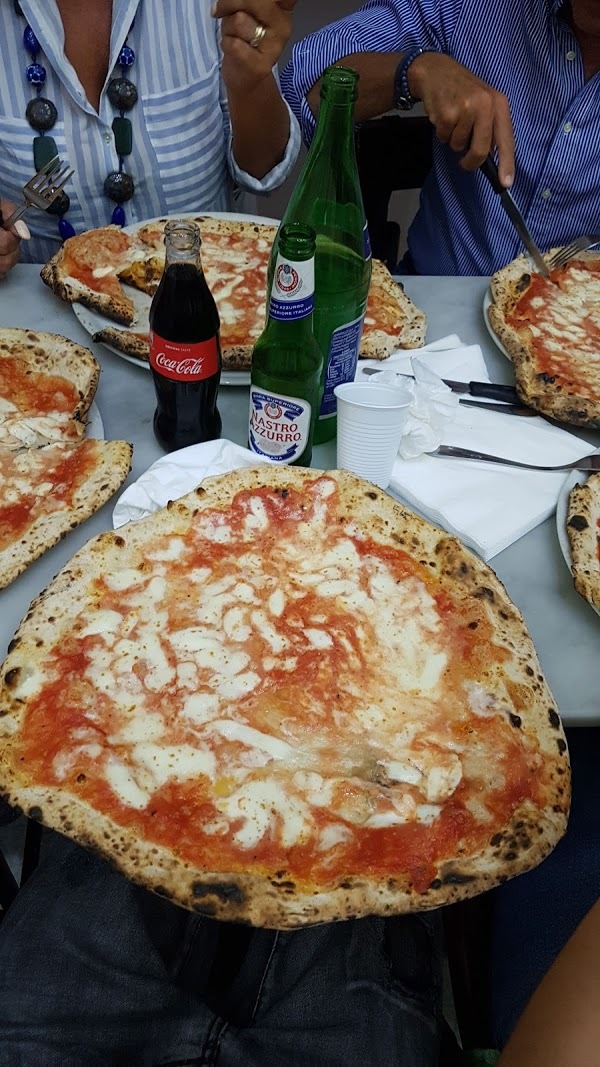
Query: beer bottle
(285, 379)
(185, 351)
(328, 198)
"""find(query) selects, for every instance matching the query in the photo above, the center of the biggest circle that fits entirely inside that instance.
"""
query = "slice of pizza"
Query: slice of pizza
(47, 385)
(86, 269)
(285, 699)
(47, 491)
(583, 529)
(392, 320)
(551, 330)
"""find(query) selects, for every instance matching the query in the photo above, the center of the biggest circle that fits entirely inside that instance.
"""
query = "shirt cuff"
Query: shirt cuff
(280, 171)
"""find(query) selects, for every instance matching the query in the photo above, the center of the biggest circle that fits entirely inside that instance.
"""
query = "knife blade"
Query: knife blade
(504, 409)
(506, 394)
(489, 168)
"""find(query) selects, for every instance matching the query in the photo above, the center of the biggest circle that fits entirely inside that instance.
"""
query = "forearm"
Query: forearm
(561, 1024)
(375, 87)
(260, 127)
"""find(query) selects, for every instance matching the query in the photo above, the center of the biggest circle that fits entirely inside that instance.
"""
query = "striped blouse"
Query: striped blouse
(523, 48)
(181, 159)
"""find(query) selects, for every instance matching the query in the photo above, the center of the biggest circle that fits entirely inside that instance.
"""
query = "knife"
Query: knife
(504, 409)
(490, 170)
(507, 394)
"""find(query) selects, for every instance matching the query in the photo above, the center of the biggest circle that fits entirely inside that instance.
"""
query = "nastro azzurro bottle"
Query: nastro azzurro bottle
(287, 362)
(328, 198)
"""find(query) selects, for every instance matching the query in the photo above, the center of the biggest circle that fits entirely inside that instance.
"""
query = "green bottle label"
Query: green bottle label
(293, 292)
(279, 425)
(341, 363)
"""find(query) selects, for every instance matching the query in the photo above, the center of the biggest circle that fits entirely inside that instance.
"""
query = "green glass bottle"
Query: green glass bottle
(285, 380)
(328, 198)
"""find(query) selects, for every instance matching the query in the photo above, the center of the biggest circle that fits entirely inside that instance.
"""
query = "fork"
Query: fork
(42, 190)
(580, 244)
(586, 463)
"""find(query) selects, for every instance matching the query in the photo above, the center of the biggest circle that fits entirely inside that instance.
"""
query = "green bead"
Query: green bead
(123, 136)
(44, 149)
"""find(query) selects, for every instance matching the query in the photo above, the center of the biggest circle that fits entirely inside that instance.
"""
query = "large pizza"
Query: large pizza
(91, 268)
(583, 529)
(285, 699)
(52, 477)
(551, 330)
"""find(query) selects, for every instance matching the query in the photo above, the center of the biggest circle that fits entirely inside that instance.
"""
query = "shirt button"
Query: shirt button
(570, 56)
(568, 126)
(108, 137)
(546, 194)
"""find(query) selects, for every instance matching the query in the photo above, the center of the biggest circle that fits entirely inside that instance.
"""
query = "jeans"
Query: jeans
(94, 970)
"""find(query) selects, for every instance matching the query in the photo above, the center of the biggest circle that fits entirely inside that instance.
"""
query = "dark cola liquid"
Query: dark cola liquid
(184, 312)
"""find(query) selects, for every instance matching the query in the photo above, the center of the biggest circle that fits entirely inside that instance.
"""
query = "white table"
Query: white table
(564, 628)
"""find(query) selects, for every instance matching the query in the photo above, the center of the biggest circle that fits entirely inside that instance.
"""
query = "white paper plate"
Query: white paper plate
(92, 322)
(562, 508)
(487, 300)
(95, 426)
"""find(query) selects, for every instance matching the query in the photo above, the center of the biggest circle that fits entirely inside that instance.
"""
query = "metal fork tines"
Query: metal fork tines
(586, 463)
(580, 244)
(42, 190)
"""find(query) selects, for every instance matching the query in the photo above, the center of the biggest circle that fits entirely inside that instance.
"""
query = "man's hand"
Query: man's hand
(245, 66)
(10, 240)
(467, 114)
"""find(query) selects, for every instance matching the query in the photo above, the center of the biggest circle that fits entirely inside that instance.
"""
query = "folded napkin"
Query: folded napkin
(487, 506)
(174, 475)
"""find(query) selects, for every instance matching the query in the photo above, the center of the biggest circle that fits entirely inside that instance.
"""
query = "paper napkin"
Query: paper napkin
(487, 506)
(174, 475)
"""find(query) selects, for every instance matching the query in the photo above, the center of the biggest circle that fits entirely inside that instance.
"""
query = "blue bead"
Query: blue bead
(118, 216)
(65, 229)
(126, 56)
(30, 41)
(36, 74)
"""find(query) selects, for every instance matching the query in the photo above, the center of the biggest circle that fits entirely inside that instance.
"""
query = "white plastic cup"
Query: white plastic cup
(370, 423)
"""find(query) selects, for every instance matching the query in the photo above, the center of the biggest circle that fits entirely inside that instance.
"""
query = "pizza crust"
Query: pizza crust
(112, 466)
(49, 353)
(537, 391)
(274, 900)
(583, 531)
(411, 323)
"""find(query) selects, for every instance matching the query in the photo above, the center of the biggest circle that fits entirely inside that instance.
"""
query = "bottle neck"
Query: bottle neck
(335, 124)
(189, 256)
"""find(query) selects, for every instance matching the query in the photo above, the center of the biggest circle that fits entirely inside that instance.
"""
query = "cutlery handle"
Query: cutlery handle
(453, 451)
(492, 391)
(489, 168)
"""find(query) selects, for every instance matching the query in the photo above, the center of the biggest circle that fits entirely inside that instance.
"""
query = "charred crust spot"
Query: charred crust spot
(529, 670)
(560, 770)
(473, 625)
(371, 495)
(562, 746)
(227, 892)
(455, 878)
(200, 491)
(523, 283)
(504, 615)
(35, 813)
(80, 778)
(496, 839)
(436, 884)
(510, 855)
(11, 676)
(464, 568)
(578, 522)
(205, 909)
(118, 541)
(485, 593)
(13, 644)
(345, 885)
(284, 885)
(557, 808)
(515, 720)
(32, 337)
(553, 719)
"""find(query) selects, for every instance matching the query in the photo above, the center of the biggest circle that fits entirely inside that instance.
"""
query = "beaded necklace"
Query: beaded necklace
(42, 114)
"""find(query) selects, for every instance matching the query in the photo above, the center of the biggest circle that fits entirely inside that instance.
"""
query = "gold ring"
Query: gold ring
(259, 33)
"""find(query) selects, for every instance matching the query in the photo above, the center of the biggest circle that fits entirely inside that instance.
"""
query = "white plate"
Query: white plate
(562, 509)
(92, 322)
(95, 426)
(487, 300)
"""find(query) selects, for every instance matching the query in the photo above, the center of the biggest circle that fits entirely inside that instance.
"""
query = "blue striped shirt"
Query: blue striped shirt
(181, 160)
(523, 48)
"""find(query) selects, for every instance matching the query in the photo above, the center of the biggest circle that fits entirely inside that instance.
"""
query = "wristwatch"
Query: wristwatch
(403, 98)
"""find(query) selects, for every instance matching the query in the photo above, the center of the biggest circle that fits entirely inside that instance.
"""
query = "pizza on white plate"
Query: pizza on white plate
(91, 268)
(583, 529)
(551, 331)
(285, 699)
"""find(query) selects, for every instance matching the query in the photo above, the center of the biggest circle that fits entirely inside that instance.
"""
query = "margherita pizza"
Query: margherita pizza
(51, 478)
(551, 330)
(235, 256)
(583, 528)
(285, 699)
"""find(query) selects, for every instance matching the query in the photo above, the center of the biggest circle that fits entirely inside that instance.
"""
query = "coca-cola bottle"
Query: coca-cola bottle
(185, 352)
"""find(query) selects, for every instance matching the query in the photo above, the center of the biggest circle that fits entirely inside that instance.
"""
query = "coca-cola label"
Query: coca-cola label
(293, 291)
(279, 425)
(181, 362)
